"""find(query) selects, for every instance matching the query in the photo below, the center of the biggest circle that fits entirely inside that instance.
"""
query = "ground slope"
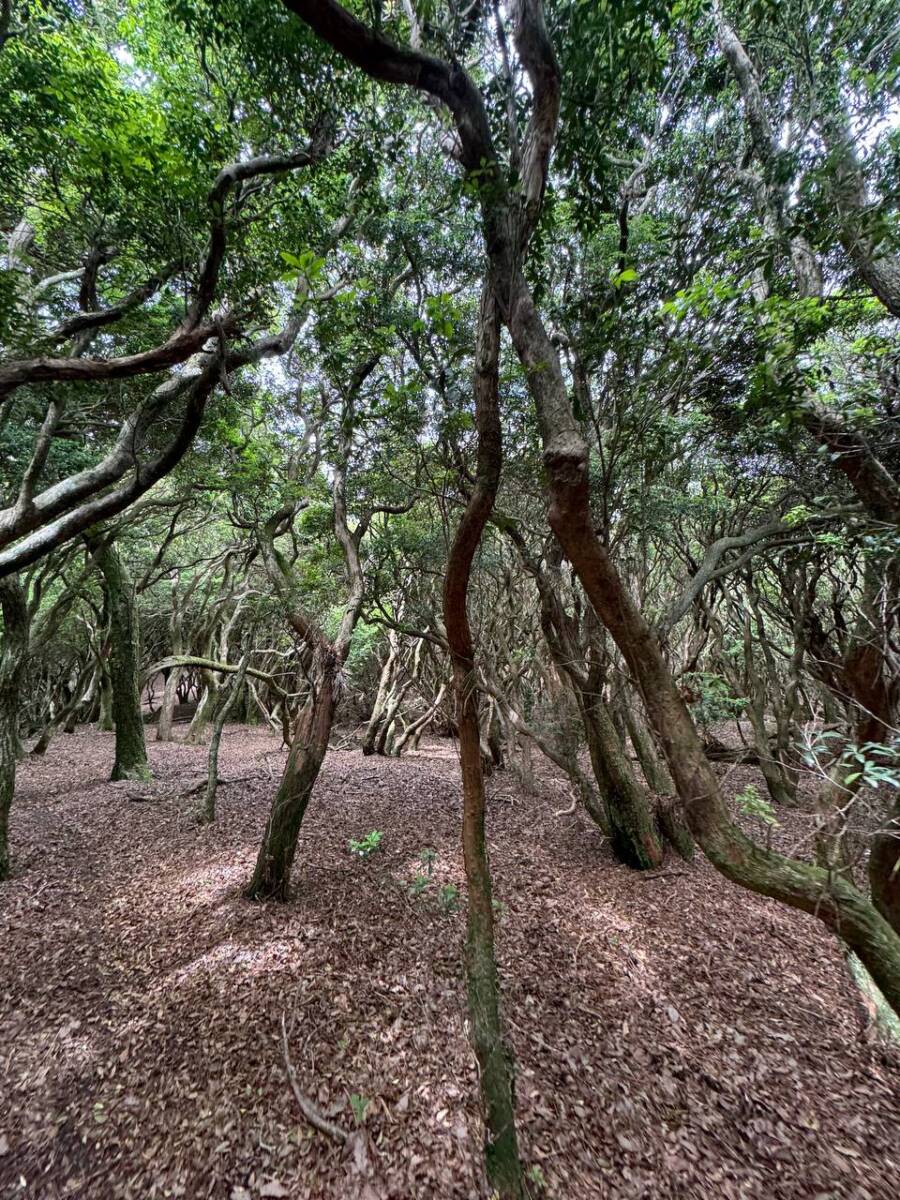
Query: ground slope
(674, 1037)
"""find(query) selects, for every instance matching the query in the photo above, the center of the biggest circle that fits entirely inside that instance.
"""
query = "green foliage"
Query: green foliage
(422, 880)
(711, 699)
(359, 1104)
(366, 846)
(869, 764)
(752, 804)
(535, 1175)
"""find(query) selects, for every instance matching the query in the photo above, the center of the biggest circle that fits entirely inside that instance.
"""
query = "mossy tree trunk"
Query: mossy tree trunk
(309, 745)
(504, 1168)
(124, 663)
(13, 655)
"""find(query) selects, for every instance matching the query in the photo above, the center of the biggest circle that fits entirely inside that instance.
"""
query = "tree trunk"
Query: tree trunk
(634, 836)
(839, 905)
(501, 1152)
(65, 717)
(309, 745)
(228, 695)
(410, 736)
(196, 733)
(13, 655)
(167, 707)
(124, 664)
(384, 681)
(105, 721)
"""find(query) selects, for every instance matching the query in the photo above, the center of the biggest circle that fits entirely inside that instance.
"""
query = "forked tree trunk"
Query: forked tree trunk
(196, 733)
(228, 695)
(411, 734)
(66, 717)
(13, 654)
(124, 665)
(504, 1169)
(271, 876)
(381, 697)
(632, 822)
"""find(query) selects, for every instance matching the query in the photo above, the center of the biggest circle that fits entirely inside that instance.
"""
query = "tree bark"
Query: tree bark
(228, 695)
(501, 1150)
(309, 745)
(13, 655)
(124, 664)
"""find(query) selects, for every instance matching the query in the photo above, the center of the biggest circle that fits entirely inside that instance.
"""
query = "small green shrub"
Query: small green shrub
(749, 801)
(366, 846)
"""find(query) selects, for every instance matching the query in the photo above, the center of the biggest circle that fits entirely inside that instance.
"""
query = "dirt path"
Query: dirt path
(674, 1037)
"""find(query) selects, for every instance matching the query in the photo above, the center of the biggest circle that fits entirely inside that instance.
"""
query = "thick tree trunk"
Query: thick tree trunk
(124, 665)
(272, 875)
(501, 1150)
(634, 836)
(13, 654)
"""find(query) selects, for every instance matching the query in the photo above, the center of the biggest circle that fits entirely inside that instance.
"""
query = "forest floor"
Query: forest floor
(674, 1036)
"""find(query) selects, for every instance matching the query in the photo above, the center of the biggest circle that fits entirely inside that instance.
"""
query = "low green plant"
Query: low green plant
(448, 897)
(749, 801)
(422, 880)
(365, 847)
(359, 1104)
(536, 1176)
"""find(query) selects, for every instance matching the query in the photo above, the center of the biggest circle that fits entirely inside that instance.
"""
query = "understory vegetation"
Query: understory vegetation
(503, 399)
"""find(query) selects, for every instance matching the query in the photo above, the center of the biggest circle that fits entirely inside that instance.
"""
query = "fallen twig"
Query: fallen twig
(311, 1113)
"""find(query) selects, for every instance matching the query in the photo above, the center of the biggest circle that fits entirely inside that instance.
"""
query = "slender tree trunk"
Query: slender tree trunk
(105, 721)
(167, 707)
(271, 877)
(124, 665)
(65, 717)
(13, 655)
(381, 697)
(390, 715)
(410, 735)
(173, 676)
(655, 771)
(228, 695)
(501, 1150)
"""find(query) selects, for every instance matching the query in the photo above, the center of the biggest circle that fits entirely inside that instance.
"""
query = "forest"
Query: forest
(450, 599)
